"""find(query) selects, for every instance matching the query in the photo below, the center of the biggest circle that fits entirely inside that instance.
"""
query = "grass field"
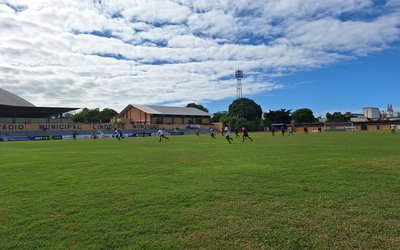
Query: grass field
(329, 190)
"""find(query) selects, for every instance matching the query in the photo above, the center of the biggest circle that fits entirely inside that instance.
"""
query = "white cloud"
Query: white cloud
(214, 24)
(190, 41)
(111, 53)
(393, 3)
(156, 11)
(310, 9)
(351, 36)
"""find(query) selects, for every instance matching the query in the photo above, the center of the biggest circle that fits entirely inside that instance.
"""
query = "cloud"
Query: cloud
(111, 53)
(355, 37)
(213, 24)
(190, 41)
(393, 3)
(156, 11)
(312, 9)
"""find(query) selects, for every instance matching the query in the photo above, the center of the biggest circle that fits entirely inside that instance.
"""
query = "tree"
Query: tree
(107, 114)
(198, 106)
(241, 121)
(303, 115)
(94, 115)
(218, 115)
(337, 117)
(81, 116)
(277, 116)
(245, 108)
(228, 119)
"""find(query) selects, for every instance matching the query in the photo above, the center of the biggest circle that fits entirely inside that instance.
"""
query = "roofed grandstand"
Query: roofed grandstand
(13, 106)
(21, 120)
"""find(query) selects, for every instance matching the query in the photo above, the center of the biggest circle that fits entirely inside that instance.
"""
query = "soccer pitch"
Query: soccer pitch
(327, 190)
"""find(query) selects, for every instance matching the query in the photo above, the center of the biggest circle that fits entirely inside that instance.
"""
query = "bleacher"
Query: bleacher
(99, 133)
(20, 132)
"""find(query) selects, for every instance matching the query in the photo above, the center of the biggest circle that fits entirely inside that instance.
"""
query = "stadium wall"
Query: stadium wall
(372, 127)
(50, 127)
(95, 127)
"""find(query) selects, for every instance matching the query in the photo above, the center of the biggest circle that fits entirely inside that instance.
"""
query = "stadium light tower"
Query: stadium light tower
(239, 77)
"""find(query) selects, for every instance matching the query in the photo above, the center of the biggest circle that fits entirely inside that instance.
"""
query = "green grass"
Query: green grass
(329, 190)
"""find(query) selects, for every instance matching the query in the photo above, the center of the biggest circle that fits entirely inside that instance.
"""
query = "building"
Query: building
(389, 111)
(14, 109)
(372, 113)
(150, 114)
(351, 114)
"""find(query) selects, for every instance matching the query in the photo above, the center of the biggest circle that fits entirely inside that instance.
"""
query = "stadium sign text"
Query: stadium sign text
(12, 127)
(33, 127)
(60, 127)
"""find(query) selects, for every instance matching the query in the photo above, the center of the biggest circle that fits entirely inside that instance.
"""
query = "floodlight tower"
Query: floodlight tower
(239, 77)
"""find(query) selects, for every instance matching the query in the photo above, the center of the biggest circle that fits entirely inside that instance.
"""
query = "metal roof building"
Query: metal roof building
(8, 98)
(150, 114)
(13, 106)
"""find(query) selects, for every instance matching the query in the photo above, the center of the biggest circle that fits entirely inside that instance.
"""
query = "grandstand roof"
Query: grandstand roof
(7, 98)
(167, 110)
(31, 112)
(14, 106)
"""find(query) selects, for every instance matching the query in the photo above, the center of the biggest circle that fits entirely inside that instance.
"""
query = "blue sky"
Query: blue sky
(344, 87)
(337, 55)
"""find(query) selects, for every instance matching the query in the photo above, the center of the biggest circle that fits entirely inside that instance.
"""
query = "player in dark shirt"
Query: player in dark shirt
(237, 132)
(306, 130)
(246, 134)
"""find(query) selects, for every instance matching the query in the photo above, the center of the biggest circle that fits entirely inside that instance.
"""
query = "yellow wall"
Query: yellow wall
(385, 127)
(374, 127)
(310, 129)
(205, 121)
(167, 120)
(135, 115)
(186, 120)
(218, 125)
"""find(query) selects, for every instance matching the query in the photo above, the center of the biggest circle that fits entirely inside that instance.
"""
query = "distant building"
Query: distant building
(149, 114)
(389, 111)
(372, 113)
(351, 114)
(357, 117)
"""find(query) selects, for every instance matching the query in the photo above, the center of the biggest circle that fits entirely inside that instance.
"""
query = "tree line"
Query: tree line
(242, 112)
(246, 112)
(93, 115)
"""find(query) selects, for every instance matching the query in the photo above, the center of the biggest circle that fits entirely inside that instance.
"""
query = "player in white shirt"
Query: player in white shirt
(161, 133)
(212, 133)
(228, 134)
(393, 128)
(291, 130)
(117, 134)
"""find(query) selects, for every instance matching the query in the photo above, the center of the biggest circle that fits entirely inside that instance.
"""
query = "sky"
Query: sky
(336, 55)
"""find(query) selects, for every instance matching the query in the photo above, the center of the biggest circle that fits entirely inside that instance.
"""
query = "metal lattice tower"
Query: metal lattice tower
(239, 77)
